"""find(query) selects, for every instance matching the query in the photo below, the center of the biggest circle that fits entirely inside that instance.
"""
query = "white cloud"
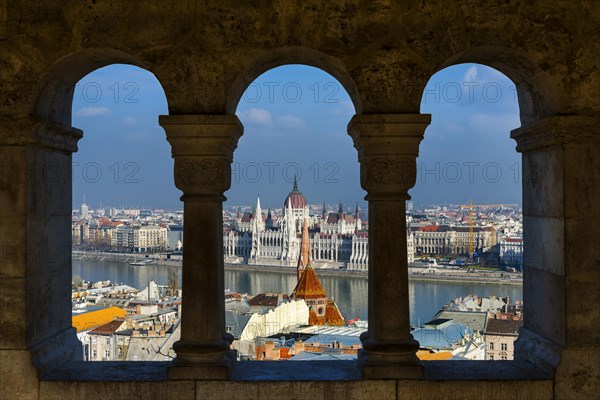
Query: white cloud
(471, 74)
(346, 107)
(258, 116)
(92, 111)
(452, 128)
(290, 121)
(138, 137)
(130, 121)
(494, 123)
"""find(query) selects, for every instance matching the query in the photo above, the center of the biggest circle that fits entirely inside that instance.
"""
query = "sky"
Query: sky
(295, 121)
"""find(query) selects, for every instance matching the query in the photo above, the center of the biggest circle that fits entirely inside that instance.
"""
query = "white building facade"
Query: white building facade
(511, 251)
(338, 239)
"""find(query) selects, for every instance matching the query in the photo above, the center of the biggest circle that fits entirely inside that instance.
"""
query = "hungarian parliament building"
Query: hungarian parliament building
(338, 239)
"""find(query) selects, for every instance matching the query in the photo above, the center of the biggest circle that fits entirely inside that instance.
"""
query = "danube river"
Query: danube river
(349, 292)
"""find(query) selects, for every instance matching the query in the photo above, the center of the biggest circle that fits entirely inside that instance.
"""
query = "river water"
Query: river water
(349, 292)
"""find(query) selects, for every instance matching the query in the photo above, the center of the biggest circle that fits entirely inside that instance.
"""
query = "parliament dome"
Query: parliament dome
(295, 198)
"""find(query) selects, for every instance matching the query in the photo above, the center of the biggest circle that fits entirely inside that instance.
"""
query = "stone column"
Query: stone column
(561, 215)
(35, 250)
(388, 146)
(202, 146)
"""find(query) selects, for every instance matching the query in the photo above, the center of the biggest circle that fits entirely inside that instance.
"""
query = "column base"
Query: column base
(538, 350)
(205, 362)
(389, 366)
(55, 350)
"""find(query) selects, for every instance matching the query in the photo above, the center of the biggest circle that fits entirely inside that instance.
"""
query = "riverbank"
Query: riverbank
(415, 274)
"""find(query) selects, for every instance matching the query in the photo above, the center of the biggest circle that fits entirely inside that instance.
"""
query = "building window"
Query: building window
(504, 358)
(491, 357)
(491, 346)
(107, 340)
(107, 353)
(504, 346)
(94, 354)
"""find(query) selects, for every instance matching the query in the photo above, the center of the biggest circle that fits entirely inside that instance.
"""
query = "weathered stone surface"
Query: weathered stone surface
(547, 316)
(580, 256)
(390, 49)
(12, 180)
(206, 53)
(544, 238)
(18, 378)
(203, 148)
(537, 350)
(582, 317)
(12, 246)
(47, 170)
(176, 390)
(578, 375)
(48, 243)
(44, 317)
(543, 179)
(517, 390)
(582, 199)
(327, 390)
(12, 310)
(227, 390)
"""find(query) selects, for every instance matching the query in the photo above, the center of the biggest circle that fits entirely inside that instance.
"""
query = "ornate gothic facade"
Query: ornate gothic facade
(337, 239)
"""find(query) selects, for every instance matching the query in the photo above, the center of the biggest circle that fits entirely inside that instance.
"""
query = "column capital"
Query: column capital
(388, 146)
(30, 131)
(556, 130)
(202, 146)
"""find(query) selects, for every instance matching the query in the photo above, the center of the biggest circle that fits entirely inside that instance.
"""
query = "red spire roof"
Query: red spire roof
(309, 286)
(313, 318)
(304, 250)
(333, 316)
(304, 244)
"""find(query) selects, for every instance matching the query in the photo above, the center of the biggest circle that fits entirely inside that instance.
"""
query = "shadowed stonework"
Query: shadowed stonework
(205, 54)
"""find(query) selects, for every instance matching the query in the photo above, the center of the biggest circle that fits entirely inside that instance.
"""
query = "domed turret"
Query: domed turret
(295, 198)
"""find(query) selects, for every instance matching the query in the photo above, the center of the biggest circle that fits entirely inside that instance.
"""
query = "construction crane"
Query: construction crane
(470, 206)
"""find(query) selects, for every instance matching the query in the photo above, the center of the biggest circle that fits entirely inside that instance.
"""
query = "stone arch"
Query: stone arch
(544, 334)
(292, 55)
(53, 99)
(536, 92)
(51, 337)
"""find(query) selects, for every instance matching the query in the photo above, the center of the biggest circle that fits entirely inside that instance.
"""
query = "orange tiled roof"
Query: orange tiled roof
(93, 319)
(309, 286)
(333, 316)
(109, 328)
(313, 319)
(430, 356)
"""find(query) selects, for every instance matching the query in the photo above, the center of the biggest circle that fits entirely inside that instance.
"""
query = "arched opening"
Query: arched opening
(51, 335)
(54, 99)
(535, 93)
(288, 56)
(295, 211)
(127, 220)
(466, 225)
(543, 333)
